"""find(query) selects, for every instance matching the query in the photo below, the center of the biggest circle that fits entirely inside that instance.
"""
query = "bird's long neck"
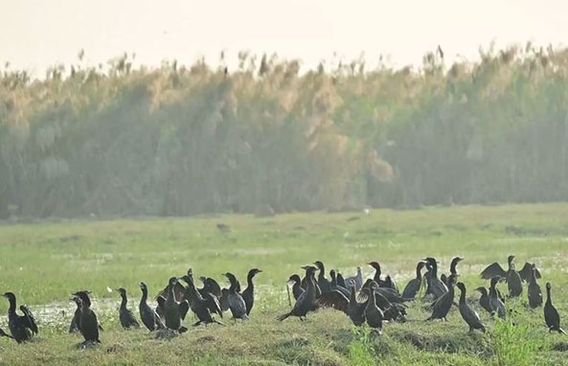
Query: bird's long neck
(419, 273)
(321, 274)
(192, 290)
(372, 297)
(453, 269)
(548, 296)
(124, 301)
(462, 296)
(250, 283)
(377, 276)
(171, 293)
(12, 308)
(144, 296)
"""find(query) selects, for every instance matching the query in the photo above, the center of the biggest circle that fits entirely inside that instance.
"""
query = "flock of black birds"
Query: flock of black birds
(372, 302)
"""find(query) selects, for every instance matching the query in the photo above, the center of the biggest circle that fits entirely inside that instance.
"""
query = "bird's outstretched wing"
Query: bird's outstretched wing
(333, 299)
(213, 304)
(492, 270)
(525, 273)
(29, 319)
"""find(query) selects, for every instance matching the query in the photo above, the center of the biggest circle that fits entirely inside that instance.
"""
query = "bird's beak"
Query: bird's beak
(259, 271)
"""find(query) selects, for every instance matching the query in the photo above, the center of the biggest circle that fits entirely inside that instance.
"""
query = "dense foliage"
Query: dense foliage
(185, 140)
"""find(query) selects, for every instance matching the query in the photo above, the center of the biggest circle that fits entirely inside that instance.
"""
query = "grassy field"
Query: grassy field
(44, 262)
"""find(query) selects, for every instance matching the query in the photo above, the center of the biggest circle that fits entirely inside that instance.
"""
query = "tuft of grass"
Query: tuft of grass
(361, 350)
(515, 343)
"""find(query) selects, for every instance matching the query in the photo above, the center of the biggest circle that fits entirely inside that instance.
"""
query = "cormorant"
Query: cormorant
(88, 323)
(200, 305)
(453, 269)
(373, 314)
(526, 272)
(248, 293)
(443, 304)
(484, 299)
(434, 285)
(468, 314)
(551, 316)
(341, 280)
(497, 305)
(74, 326)
(356, 310)
(323, 283)
(333, 299)
(22, 327)
(392, 310)
(533, 290)
(514, 282)
(209, 286)
(355, 281)
(173, 309)
(334, 286)
(306, 301)
(389, 283)
(414, 285)
(390, 294)
(126, 317)
(235, 300)
(148, 315)
(377, 275)
(297, 289)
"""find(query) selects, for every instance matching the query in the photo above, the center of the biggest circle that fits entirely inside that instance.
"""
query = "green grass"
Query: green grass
(44, 262)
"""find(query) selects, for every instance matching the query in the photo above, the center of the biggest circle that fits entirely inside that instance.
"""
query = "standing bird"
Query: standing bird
(355, 281)
(514, 282)
(551, 316)
(199, 305)
(435, 286)
(526, 272)
(88, 323)
(453, 269)
(173, 309)
(127, 319)
(323, 283)
(306, 301)
(373, 314)
(533, 290)
(497, 305)
(74, 326)
(248, 293)
(470, 316)
(235, 300)
(22, 327)
(443, 304)
(484, 299)
(414, 285)
(148, 315)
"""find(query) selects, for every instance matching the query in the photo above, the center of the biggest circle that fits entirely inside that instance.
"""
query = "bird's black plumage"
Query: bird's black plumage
(373, 314)
(248, 293)
(22, 327)
(413, 287)
(470, 316)
(551, 316)
(126, 317)
(149, 317)
(441, 307)
(533, 290)
(88, 323)
(306, 301)
(484, 299)
(173, 309)
(235, 300)
(323, 283)
(296, 282)
(200, 305)
(495, 302)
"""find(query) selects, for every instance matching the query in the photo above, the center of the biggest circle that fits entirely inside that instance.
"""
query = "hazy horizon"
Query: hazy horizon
(37, 34)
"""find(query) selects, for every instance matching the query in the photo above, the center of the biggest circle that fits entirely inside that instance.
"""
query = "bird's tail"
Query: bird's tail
(560, 330)
(282, 317)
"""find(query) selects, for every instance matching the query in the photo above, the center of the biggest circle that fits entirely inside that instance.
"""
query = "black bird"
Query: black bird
(526, 272)
(22, 327)
(551, 316)
(4, 334)
(389, 283)
(377, 276)
(323, 283)
(127, 319)
(391, 295)
(248, 293)
(209, 286)
(335, 285)
(340, 280)
(161, 306)
(199, 305)
(297, 289)
(356, 310)
(88, 323)
(414, 285)
(434, 285)
(306, 301)
(453, 268)
(173, 308)
(392, 309)
(149, 317)
(74, 326)
(484, 299)
(533, 290)
(468, 314)
(443, 304)
(514, 282)
(373, 314)
(355, 281)
(497, 305)
(235, 300)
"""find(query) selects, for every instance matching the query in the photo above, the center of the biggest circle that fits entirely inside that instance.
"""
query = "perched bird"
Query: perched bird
(373, 314)
(148, 315)
(173, 308)
(484, 299)
(323, 283)
(306, 301)
(127, 319)
(248, 293)
(235, 300)
(88, 323)
(355, 281)
(441, 307)
(297, 289)
(533, 290)
(22, 327)
(200, 305)
(551, 316)
(497, 305)
(468, 314)
(434, 286)
(413, 287)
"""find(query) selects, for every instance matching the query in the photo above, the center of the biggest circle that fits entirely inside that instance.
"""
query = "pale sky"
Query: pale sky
(37, 33)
